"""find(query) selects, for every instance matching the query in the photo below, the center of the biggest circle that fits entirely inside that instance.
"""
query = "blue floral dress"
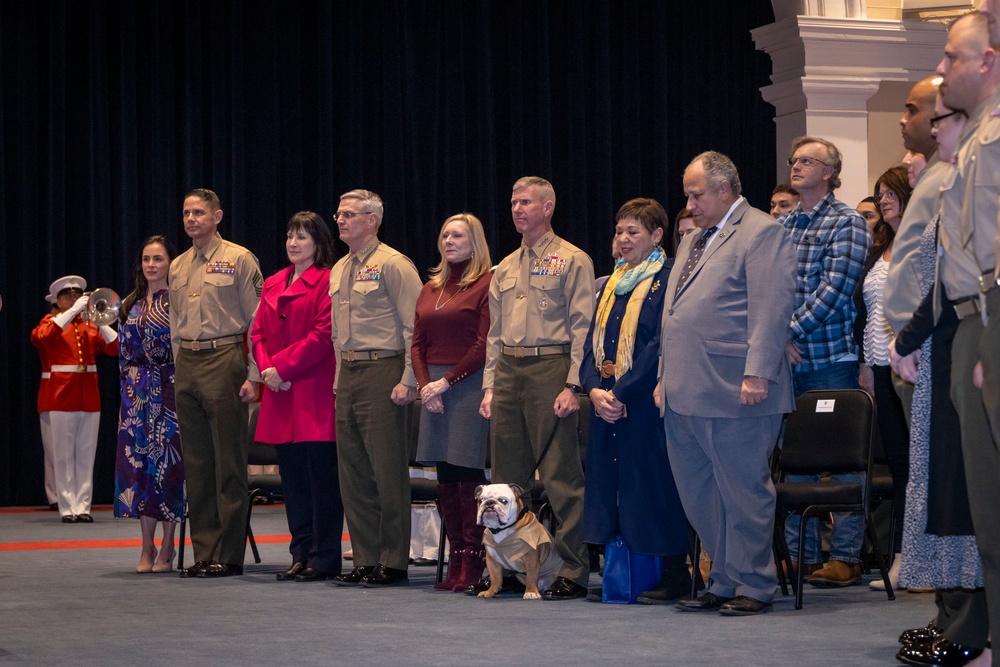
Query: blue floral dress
(149, 474)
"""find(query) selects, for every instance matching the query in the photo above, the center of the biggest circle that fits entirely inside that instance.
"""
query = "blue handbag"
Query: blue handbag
(626, 574)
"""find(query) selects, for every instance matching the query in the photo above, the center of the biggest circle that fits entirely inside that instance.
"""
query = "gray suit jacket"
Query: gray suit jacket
(730, 320)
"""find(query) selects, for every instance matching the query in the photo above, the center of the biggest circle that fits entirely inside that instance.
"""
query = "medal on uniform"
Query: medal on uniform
(543, 302)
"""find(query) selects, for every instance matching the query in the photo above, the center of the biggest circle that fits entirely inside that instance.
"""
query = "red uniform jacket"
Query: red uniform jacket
(77, 345)
(291, 332)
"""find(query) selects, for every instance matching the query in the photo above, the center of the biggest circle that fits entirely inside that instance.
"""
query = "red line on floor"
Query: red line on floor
(55, 545)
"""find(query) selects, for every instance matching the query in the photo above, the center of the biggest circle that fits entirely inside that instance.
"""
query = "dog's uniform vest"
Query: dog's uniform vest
(523, 537)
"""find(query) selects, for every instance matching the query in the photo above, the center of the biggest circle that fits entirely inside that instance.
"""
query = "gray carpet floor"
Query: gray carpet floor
(67, 601)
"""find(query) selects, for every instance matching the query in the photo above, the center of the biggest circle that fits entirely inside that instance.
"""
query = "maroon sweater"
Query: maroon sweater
(451, 330)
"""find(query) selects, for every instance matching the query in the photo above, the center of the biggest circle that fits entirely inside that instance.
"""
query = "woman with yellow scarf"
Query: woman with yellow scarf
(630, 489)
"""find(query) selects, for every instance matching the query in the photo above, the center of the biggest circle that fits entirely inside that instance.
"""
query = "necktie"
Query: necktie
(696, 252)
(519, 313)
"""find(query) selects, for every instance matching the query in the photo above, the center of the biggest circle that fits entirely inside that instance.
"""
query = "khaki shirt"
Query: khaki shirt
(214, 292)
(373, 296)
(901, 294)
(962, 209)
(982, 189)
(555, 308)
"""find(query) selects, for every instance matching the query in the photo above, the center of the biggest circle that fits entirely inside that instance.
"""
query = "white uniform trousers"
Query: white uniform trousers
(50, 471)
(74, 446)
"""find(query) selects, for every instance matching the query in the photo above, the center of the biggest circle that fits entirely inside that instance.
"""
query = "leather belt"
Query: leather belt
(537, 351)
(198, 345)
(607, 369)
(966, 307)
(69, 368)
(368, 355)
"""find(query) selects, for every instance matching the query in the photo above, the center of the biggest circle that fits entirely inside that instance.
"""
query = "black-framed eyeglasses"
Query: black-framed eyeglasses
(348, 215)
(937, 119)
(806, 161)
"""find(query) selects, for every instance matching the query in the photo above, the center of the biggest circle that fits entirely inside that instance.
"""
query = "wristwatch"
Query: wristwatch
(575, 387)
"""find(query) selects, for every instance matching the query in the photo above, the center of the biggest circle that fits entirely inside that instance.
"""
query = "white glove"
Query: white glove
(62, 319)
(109, 334)
(79, 304)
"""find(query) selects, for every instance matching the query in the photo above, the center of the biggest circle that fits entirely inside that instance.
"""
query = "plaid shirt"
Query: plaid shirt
(831, 244)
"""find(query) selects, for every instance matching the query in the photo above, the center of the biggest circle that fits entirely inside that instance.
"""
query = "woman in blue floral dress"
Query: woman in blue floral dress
(149, 475)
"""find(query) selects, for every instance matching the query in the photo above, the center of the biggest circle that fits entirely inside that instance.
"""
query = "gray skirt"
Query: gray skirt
(458, 436)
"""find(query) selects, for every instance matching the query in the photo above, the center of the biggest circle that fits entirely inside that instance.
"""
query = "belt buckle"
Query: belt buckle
(519, 352)
(196, 345)
(986, 282)
(348, 355)
(373, 356)
(81, 368)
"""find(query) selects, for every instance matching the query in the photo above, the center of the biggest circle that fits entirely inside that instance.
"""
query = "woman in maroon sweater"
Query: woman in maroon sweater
(448, 355)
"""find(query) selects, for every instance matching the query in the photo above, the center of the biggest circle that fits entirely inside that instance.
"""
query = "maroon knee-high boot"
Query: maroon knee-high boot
(449, 505)
(473, 560)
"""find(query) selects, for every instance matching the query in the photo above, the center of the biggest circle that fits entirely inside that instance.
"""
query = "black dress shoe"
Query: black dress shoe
(564, 589)
(221, 570)
(510, 584)
(741, 605)
(312, 574)
(353, 577)
(939, 652)
(922, 635)
(194, 570)
(382, 577)
(70, 518)
(424, 562)
(53, 507)
(289, 574)
(84, 518)
(707, 602)
(673, 585)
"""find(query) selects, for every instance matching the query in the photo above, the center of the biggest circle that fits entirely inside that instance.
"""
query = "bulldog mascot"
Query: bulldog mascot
(515, 540)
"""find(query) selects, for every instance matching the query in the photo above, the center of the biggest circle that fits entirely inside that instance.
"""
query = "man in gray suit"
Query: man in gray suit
(725, 382)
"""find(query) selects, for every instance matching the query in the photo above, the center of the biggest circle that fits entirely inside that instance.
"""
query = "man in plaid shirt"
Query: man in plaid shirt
(831, 242)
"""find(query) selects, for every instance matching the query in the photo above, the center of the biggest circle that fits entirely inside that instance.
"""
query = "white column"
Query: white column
(826, 73)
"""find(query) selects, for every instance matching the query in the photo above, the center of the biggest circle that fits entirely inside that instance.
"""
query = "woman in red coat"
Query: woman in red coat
(293, 350)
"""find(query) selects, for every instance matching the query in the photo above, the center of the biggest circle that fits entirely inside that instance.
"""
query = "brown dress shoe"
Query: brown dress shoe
(836, 574)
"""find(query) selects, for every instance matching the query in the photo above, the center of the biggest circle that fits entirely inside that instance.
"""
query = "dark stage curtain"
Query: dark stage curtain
(111, 111)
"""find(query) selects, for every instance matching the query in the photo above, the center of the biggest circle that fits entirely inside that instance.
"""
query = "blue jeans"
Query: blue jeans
(848, 528)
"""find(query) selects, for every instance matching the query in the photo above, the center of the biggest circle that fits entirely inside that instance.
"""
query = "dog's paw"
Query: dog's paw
(486, 594)
(532, 596)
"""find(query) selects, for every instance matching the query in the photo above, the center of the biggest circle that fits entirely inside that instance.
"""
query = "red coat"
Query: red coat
(291, 332)
(76, 345)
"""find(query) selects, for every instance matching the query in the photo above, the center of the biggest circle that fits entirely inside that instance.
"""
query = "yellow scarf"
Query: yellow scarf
(641, 276)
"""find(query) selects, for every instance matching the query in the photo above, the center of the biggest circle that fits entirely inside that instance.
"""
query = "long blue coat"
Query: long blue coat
(630, 488)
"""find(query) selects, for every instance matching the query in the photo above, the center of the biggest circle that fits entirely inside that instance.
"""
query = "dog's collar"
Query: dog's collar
(520, 515)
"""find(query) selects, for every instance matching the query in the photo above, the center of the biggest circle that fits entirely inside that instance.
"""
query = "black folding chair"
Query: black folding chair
(829, 432)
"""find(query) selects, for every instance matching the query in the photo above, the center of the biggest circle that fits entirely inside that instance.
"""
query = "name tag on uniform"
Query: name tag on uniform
(221, 266)
(550, 265)
(369, 273)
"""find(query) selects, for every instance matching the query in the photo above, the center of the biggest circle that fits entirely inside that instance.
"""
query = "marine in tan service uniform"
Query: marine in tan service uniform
(967, 233)
(373, 294)
(541, 304)
(214, 291)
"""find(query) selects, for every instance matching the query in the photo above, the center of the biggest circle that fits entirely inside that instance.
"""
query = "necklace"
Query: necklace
(439, 305)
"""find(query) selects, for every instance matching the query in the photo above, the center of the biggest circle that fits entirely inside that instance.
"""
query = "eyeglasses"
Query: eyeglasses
(348, 215)
(806, 161)
(888, 195)
(937, 119)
